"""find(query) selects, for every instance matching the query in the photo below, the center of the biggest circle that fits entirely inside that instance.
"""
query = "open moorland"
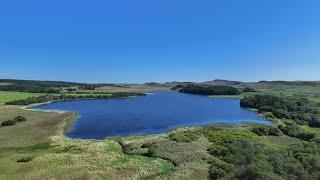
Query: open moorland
(36, 148)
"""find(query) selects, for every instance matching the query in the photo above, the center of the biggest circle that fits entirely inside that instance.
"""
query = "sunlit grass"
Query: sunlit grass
(6, 96)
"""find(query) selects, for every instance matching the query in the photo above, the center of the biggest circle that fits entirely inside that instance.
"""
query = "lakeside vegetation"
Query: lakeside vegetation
(6, 96)
(295, 109)
(37, 149)
(63, 97)
(207, 90)
(289, 149)
(230, 152)
(32, 86)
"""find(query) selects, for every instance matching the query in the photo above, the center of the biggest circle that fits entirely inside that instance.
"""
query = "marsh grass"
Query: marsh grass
(38, 149)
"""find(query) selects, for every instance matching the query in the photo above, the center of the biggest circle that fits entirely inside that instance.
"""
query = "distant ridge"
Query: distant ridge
(213, 82)
(306, 83)
(223, 82)
(48, 82)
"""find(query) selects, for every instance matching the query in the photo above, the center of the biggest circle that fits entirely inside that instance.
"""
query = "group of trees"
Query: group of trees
(88, 87)
(240, 154)
(28, 88)
(245, 158)
(47, 98)
(247, 89)
(207, 90)
(295, 109)
(267, 131)
(13, 121)
(32, 86)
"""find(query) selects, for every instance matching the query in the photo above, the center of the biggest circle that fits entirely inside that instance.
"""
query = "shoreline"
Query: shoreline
(67, 127)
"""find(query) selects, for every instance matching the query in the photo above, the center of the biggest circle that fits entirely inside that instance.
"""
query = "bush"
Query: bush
(9, 123)
(291, 129)
(314, 123)
(306, 136)
(265, 109)
(24, 160)
(274, 131)
(247, 89)
(280, 113)
(184, 136)
(268, 115)
(219, 168)
(150, 145)
(20, 119)
(12, 122)
(266, 131)
(261, 131)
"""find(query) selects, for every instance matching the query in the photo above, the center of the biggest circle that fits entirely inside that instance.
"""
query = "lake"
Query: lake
(158, 112)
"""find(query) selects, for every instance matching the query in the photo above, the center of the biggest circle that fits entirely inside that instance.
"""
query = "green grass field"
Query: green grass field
(54, 156)
(6, 96)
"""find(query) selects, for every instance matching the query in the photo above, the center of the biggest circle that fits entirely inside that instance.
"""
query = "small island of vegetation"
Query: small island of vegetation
(207, 90)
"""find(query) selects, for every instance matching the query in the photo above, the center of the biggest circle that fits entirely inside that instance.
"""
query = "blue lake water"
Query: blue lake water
(157, 112)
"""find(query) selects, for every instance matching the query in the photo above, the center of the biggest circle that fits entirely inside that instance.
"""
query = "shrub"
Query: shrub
(247, 89)
(9, 123)
(265, 109)
(314, 123)
(219, 168)
(266, 131)
(261, 131)
(24, 160)
(280, 113)
(20, 118)
(150, 145)
(290, 129)
(184, 136)
(268, 115)
(305, 136)
(274, 131)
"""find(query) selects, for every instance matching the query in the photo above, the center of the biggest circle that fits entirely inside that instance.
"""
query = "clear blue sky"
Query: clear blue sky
(163, 40)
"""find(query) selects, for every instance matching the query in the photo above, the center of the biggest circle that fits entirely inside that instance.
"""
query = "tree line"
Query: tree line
(207, 90)
(28, 88)
(33, 86)
(48, 98)
(295, 109)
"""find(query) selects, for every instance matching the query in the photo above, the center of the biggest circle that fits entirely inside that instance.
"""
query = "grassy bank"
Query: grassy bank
(49, 154)
(38, 149)
(6, 96)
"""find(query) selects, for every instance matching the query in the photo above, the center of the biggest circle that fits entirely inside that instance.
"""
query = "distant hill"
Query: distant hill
(35, 86)
(48, 83)
(240, 83)
(303, 83)
(223, 82)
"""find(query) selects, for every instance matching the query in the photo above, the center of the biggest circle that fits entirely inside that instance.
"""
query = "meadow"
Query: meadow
(6, 96)
(49, 154)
